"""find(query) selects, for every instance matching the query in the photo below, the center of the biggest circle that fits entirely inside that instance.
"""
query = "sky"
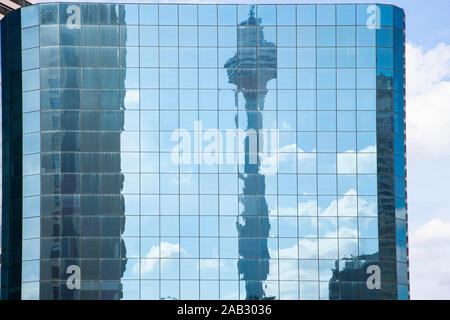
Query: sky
(428, 138)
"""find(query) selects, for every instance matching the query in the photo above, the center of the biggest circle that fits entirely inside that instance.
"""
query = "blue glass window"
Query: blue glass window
(346, 14)
(207, 15)
(326, 15)
(286, 15)
(326, 36)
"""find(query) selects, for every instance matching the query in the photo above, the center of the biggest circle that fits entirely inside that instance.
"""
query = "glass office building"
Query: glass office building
(179, 151)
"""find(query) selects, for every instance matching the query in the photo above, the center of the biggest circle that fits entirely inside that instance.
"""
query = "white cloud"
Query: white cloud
(430, 260)
(428, 96)
(434, 230)
(346, 163)
(151, 261)
(132, 98)
(347, 206)
(305, 208)
(270, 161)
(348, 232)
(210, 264)
(428, 138)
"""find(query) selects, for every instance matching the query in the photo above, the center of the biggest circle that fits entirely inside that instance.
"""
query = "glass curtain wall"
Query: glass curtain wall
(204, 152)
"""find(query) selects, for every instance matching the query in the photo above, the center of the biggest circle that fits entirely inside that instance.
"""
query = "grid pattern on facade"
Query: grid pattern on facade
(103, 97)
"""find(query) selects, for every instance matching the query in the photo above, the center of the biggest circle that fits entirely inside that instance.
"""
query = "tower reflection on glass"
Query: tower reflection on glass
(250, 71)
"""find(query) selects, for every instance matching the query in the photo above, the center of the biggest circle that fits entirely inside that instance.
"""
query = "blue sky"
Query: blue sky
(428, 139)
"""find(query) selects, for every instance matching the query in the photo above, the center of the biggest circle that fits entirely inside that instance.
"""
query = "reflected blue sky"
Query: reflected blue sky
(324, 165)
(429, 34)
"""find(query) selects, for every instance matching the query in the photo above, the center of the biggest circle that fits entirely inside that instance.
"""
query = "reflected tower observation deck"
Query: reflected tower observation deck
(250, 71)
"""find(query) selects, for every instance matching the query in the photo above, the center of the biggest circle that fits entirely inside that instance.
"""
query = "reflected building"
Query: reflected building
(203, 151)
(6, 6)
(79, 197)
(349, 280)
(250, 75)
